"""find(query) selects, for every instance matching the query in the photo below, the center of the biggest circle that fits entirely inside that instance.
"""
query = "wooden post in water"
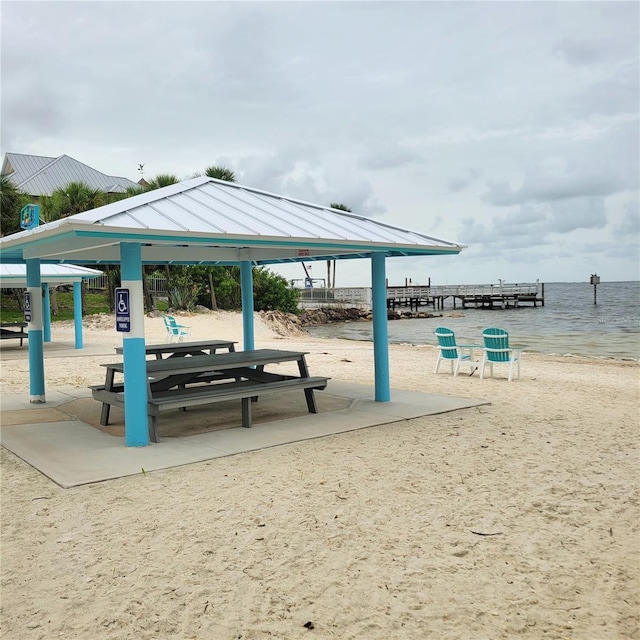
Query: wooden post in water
(595, 281)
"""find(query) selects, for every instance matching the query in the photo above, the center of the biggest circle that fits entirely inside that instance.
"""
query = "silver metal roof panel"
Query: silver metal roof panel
(19, 166)
(15, 275)
(38, 175)
(207, 220)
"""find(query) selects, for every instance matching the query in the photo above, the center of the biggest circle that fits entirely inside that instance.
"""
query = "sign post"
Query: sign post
(595, 281)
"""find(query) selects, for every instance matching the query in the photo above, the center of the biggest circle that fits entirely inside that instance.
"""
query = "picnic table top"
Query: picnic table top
(178, 347)
(216, 361)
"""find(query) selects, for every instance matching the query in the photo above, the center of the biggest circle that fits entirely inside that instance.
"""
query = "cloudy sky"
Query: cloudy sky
(511, 127)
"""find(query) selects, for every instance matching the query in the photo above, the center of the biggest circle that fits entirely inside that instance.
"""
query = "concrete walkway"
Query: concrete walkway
(71, 452)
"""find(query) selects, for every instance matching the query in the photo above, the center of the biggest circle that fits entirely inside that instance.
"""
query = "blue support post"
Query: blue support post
(380, 329)
(246, 286)
(46, 313)
(77, 313)
(34, 329)
(136, 431)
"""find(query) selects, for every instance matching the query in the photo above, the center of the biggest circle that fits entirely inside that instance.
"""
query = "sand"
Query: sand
(518, 519)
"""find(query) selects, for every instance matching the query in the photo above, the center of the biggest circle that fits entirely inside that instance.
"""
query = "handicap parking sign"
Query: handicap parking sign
(123, 310)
(27, 306)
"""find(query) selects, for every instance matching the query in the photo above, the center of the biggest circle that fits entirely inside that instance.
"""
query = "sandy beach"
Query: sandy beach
(518, 519)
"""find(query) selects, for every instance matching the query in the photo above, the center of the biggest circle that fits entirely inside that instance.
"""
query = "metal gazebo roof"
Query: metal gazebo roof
(15, 275)
(204, 220)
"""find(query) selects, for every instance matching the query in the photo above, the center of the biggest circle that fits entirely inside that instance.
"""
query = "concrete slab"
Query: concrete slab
(72, 452)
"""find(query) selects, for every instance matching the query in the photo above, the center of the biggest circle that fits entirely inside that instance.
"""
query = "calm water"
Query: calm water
(569, 323)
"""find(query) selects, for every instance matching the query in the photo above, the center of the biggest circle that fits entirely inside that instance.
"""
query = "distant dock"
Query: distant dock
(478, 296)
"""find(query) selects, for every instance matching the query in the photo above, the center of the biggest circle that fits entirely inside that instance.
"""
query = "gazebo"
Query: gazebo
(14, 276)
(207, 221)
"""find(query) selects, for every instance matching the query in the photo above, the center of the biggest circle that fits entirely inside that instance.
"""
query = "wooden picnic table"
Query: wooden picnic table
(203, 379)
(181, 349)
(13, 330)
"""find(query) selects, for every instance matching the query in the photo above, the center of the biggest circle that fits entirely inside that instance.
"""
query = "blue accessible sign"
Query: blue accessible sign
(27, 306)
(123, 310)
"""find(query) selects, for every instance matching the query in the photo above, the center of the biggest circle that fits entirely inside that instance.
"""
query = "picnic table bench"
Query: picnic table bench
(181, 349)
(174, 383)
(13, 330)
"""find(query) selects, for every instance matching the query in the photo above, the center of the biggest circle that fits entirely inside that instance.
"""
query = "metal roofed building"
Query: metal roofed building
(208, 221)
(51, 275)
(41, 176)
(15, 275)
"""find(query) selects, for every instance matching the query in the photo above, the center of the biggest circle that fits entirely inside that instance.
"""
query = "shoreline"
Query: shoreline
(460, 324)
(525, 351)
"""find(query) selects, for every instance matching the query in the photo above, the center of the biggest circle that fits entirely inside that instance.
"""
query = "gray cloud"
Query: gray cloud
(461, 182)
(299, 173)
(390, 157)
(597, 166)
(578, 213)
(593, 51)
(629, 226)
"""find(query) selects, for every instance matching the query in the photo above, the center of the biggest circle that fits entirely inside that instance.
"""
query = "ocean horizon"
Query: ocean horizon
(568, 324)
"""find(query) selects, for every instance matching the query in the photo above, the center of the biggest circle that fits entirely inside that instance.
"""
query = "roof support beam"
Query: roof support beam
(246, 291)
(380, 329)
(136, 432)
(36, 347)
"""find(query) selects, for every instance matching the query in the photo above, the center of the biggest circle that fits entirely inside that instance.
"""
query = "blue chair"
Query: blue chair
(175, 331)
(456, 354)
(498, 351)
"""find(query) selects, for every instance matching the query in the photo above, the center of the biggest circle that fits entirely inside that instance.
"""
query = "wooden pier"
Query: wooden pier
(478, 296)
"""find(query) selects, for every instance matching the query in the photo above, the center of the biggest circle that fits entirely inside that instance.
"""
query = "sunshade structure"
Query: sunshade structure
(208, 221)
(14, 276)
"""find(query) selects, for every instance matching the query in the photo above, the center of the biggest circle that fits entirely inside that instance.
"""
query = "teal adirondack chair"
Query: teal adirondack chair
(456, 354)
(498, 351)
(175, 331)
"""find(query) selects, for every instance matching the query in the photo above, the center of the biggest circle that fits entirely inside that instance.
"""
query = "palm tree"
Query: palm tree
(220, 173)
(161, 180)
(331, 282)
(133, 191)
(73, 198)
(12, 199)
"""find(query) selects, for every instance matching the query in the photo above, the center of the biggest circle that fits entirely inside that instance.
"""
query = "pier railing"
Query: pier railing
(529, 289)
(505, 294)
